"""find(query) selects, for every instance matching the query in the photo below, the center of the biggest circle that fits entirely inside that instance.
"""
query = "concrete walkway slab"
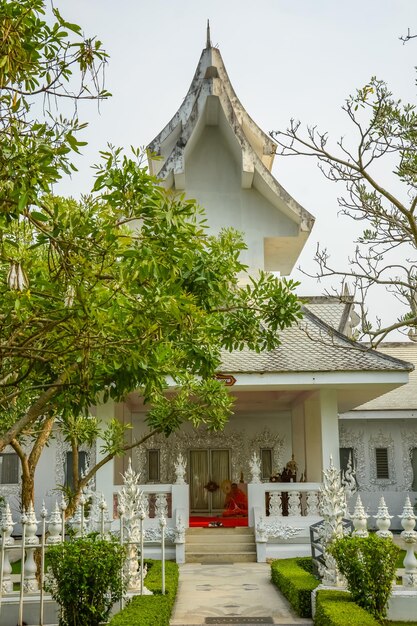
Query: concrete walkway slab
(230, 591)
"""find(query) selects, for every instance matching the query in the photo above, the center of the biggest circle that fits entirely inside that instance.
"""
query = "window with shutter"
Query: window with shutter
(9, 469)
(381, 459)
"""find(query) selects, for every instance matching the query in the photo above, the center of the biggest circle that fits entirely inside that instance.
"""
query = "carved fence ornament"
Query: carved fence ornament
(333, 509)
(408, 521)
(131, 502)
(359, 519)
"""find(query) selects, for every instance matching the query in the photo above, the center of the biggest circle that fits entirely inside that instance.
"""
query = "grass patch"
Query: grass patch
(151, 610)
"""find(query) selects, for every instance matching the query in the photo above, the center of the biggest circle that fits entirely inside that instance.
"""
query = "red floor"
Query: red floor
(203, 521)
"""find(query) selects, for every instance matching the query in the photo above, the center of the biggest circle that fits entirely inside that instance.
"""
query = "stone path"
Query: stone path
(230, 591)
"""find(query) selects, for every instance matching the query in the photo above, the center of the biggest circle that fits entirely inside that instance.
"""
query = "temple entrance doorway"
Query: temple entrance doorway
(208, 469)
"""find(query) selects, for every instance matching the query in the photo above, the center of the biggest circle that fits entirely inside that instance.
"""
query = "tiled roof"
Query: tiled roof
(404, 397)
(329, 309)
(312, 346)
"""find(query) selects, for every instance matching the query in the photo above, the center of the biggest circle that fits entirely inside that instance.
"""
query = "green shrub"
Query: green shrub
(336, 608)
(369, 566)
(86, 579)
(295, 582)
(151, 610)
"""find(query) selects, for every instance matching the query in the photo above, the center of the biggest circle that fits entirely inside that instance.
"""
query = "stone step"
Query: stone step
(220, 548)
(213, 558)
(214, 539)
(220, 545)
(239, 530)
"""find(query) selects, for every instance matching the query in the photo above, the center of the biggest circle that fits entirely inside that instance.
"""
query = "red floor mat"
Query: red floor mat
(227, 522)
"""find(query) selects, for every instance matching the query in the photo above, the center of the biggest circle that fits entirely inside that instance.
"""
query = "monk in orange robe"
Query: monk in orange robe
(236, 502)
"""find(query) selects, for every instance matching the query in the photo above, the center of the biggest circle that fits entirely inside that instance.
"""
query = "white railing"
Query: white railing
(149, 516)
(283, 499)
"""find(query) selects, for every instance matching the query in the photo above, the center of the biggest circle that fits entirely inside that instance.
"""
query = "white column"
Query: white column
(329, 427)
(298, 438)
(321, 432)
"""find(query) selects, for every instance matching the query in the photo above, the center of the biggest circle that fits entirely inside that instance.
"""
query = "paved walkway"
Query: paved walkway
(230, 591)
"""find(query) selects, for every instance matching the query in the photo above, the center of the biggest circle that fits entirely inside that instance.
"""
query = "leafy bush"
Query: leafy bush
(295, 582)
(151, 610)
(369, 566)
(85, 579)
(336, 608)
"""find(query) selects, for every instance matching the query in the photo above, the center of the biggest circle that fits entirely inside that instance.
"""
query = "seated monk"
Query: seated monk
(236, 502)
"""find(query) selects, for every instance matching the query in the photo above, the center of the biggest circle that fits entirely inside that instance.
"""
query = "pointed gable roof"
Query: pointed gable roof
(211, 100)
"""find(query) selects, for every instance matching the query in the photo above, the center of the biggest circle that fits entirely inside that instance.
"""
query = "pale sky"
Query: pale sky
(285, 58)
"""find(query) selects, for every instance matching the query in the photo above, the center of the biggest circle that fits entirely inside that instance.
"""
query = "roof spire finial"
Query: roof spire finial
(208, 43)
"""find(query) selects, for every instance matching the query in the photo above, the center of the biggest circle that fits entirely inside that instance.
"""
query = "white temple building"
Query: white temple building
(319, 394)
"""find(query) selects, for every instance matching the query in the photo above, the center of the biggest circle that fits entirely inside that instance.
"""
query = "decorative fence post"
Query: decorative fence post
(333, 510)
(6, 585)
(408, 520)
(359, 519)
(383, 520)
(162, 524)
(31, 542)
(131, 499)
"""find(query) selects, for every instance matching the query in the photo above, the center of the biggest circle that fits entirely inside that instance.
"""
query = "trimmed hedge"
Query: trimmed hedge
(336, 608)
(295, 582)
(151, 610)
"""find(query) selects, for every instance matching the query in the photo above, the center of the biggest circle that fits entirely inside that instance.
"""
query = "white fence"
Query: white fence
(150, 517)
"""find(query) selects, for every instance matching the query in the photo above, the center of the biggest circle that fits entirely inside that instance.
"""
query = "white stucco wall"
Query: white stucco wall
(399, 436)
(213, 177)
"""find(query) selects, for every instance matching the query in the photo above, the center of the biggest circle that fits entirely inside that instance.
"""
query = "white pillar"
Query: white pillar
(298, 437)
(329, 427)
(321, 432)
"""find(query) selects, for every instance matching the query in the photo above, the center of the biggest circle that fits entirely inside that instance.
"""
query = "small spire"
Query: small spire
(208, 43)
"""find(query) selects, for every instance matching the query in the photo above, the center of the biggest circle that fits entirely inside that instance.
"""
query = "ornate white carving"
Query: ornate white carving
(241, 449)
(255, 468)
(275, 504)
(409, 535)
(275, 529)
(333, 509)
(61, 449)
(383, 520)
(180, 469)
(131, 502)
(294, 504)
(350, 438)
(409, 441)
(348, 479)
(359, 518)
(312, 503)
(274, 441)
(154, 535)
(179, 531)
(7, 529)
(54, 526)
(161, 505)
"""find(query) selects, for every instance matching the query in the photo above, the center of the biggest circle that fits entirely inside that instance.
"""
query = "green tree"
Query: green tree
(122, 291)
(378, 166)
(86, 579)
(118, 291)
(369, 565)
